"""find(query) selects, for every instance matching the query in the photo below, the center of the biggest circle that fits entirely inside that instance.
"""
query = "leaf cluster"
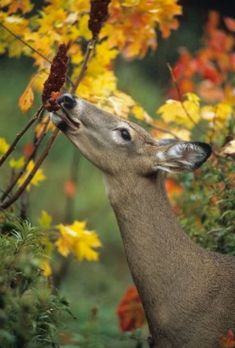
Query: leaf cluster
(208, 205)
(29, 309)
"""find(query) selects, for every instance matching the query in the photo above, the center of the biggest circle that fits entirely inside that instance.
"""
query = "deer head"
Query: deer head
(117, 146)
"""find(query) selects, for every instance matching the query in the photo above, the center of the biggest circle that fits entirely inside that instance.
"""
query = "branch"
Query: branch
(24, 42)
(180, 96)
(32, 173)
(89, 50)
(21, 172)
(163, 130)
(32, 48)
(19, 135)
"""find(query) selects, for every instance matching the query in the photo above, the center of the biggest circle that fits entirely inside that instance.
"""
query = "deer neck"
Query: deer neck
(162, 258)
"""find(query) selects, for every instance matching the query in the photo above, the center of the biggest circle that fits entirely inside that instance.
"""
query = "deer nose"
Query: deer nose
(67, 100)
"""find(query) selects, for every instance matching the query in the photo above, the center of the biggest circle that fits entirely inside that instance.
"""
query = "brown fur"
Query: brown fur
(188, 293)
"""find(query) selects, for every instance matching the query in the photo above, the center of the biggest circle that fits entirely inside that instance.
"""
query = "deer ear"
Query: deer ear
(182, 156)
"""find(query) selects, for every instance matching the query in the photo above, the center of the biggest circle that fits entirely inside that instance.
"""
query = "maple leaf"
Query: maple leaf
(229, 148)
(227, 341)
(45, 219)
(230, 23)
(46, 268)
(70, 188)
(76, 239)
(28, 149)
(26, 99)
(24, 6)
(4, 146)
(38, 177)
(185, 113)
(130, 311)
(173, 188)
(17, 164)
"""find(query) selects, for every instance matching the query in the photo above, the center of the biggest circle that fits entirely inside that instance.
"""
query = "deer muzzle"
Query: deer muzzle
(63, 118)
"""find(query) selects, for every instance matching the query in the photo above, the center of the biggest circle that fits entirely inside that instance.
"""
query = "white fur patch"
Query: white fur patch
(161, 156)
(116, 135)
(54, 118)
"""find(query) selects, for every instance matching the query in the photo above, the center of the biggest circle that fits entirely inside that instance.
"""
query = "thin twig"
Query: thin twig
(163, 130)
(180, 96)
(24, 42)
(22, 188)
(89, 50)
(20, 134)
(22, 170)
(17, 37)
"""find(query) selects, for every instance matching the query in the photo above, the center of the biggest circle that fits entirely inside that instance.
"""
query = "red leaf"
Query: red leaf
(130, 311)
(228, 341)
(70, 188)
(28, 149)
(230, 23)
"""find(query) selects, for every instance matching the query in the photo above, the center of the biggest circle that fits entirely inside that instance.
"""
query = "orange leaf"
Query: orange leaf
(70, 188)
(230, 23)
(28, 149)
(26, 99)
(172, 187)
(228, 341)
(130, 311)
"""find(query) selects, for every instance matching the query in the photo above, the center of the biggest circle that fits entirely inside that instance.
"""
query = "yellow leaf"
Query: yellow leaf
(19, 5)
(223, 111)
(76, 239)
(3, 146)
(185, 113)
(26, 99)
(141, 114)
(17, 164)
(193, 98)
(229, 149)
(208, 112)
(38, 177)
(46, 268)
(129, 3)
(45, 219)
(138, 112)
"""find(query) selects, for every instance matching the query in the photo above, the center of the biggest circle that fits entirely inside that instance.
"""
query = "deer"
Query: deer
(188, 293)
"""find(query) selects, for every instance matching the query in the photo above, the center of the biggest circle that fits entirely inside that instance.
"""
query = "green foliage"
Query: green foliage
(29, 309)
(208, 205)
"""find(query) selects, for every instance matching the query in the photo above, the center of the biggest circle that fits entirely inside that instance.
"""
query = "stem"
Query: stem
(69, 207)
(24, 42)
(19, 135)
(163, 130)
(21, 172)
(32, 48)
(32, 173)
(180, 96)
(89, 50)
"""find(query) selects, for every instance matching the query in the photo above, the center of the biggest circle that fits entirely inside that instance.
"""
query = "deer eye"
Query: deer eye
(125, 134)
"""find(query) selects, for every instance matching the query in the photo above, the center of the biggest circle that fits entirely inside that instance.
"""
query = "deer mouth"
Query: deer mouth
(64, 121)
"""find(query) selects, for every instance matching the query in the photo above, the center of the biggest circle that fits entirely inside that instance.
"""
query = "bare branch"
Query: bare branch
(22, 188)
(20, 134)
(179, 95)
(22, 170)
(89, 50)
(24, 42)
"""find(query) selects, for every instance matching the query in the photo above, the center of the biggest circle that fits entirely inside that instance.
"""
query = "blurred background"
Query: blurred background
(97, 287)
